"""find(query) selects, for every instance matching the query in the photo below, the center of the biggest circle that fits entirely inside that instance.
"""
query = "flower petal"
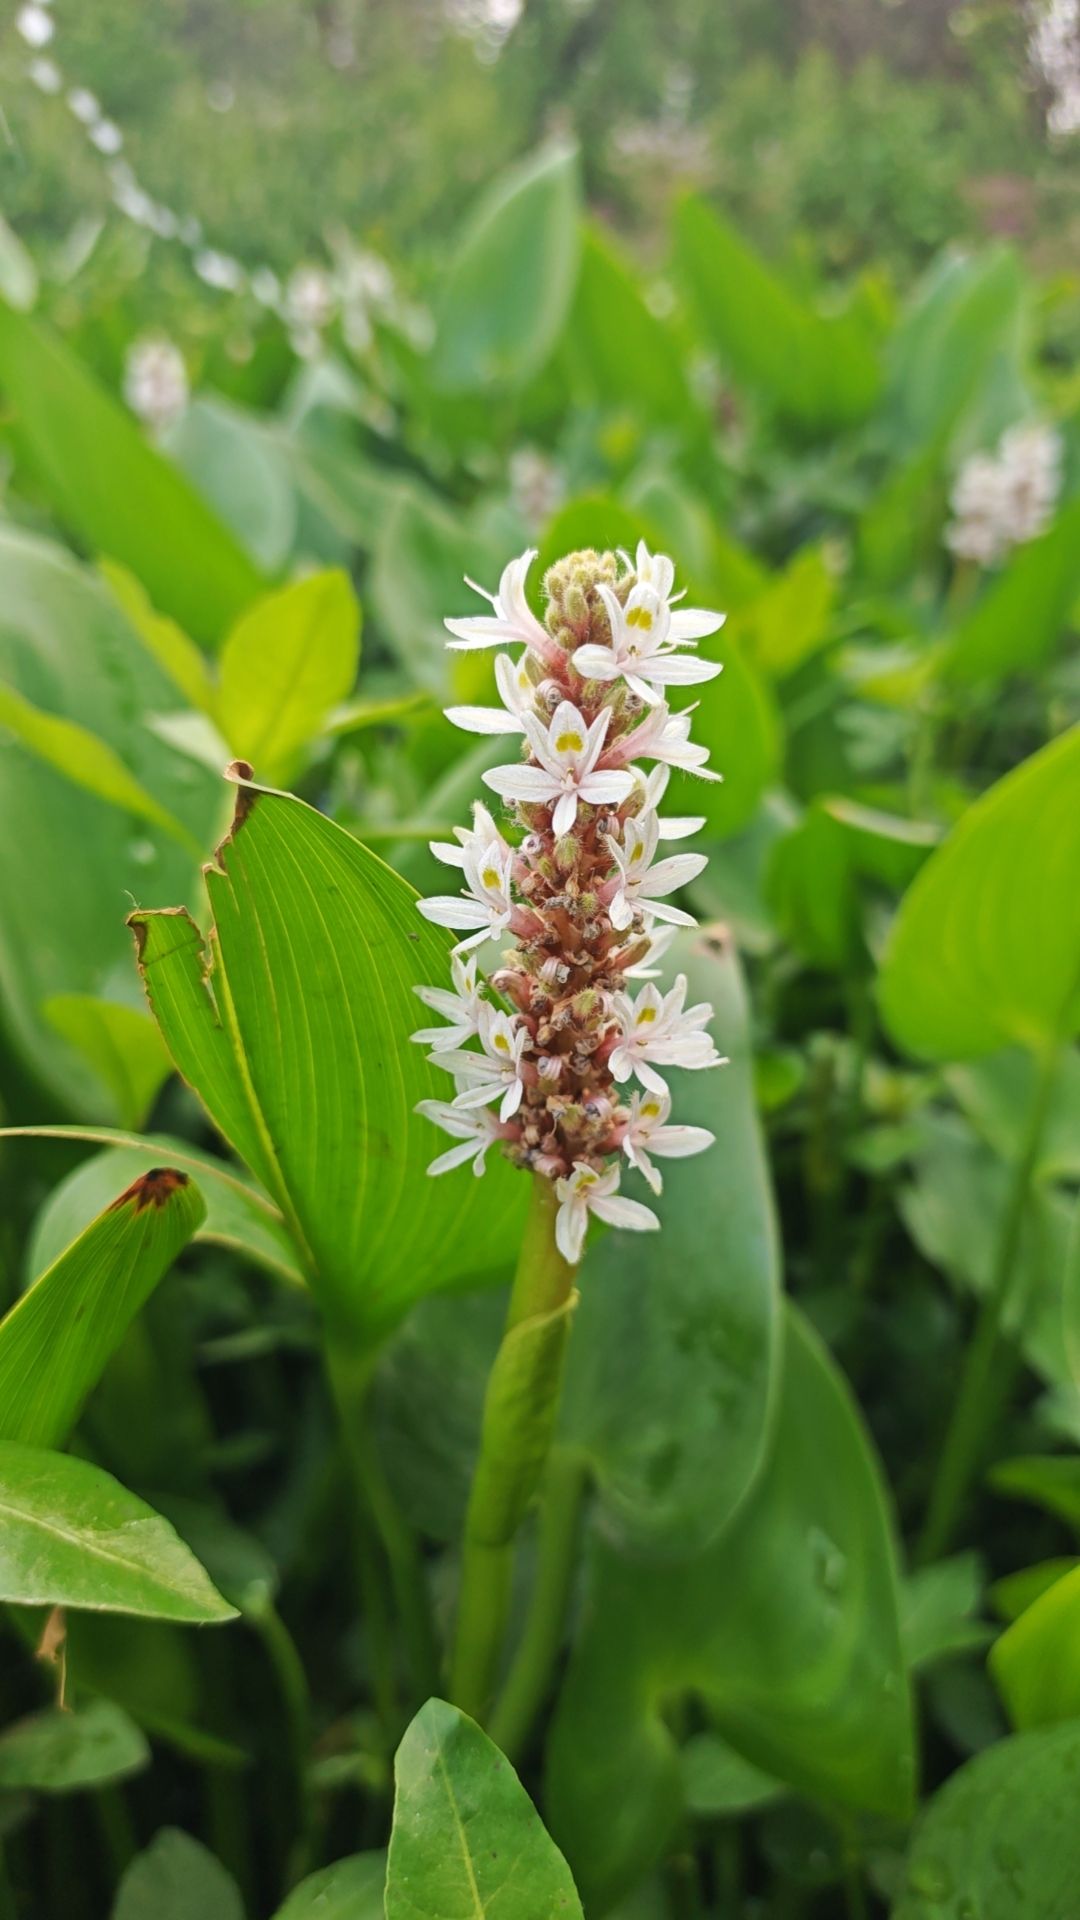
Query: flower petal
(483, 719)
(618, 1211)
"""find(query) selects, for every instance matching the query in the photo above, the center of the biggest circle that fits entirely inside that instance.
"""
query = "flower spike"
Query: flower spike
(576, 882)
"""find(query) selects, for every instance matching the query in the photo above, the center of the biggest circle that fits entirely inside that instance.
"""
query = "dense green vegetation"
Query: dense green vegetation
(791, 1590)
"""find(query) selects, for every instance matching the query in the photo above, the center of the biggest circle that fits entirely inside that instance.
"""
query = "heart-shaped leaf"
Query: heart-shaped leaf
(175, 1878)
(466, 1838)
(317, 948)
(787, 1628)
(60, 1752)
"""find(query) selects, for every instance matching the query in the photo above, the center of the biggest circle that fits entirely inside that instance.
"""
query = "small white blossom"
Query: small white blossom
(106, 136)
(654, 1030)
(536, 485)
(587, 1191)
(310, 299)
(84, 105)
(660, 939)
(219, 270)
(476, 1128)
(155, 382)
(1054, 52)
(568, 750)
(487, 904)
(35, 25)
(647, 1132)
(474, 840)
(517, 692)
(643, 886)
(653, 787)
(665, 736)
(513, 618)
(644, 646)
(1004, 498)
(495, 1071)
(46, 75)
(462, 1007)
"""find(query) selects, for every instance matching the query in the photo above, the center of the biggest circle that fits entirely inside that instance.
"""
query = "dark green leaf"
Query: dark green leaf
(1023, 614)
(121, 1043)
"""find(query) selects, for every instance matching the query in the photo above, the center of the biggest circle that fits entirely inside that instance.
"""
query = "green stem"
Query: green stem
(350, 1377)
(983, 1391)
(529, 1678)
(284, 1657)
(519, 1418)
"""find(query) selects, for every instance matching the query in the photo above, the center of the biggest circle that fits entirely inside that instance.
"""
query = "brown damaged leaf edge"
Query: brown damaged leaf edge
(154, 1188)
(241, 772)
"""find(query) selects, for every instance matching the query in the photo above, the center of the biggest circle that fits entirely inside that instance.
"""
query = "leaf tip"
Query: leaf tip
(154, 1188)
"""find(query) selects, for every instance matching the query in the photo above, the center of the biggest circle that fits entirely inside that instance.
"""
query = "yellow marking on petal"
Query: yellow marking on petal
(645, 1016)
(491, 877)
(640, 617)
(502, 1043)
(569, 743)
(649, 1110)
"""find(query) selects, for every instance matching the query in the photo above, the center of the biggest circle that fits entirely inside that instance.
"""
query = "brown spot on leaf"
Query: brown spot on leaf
(154, 1188)
(715, 940)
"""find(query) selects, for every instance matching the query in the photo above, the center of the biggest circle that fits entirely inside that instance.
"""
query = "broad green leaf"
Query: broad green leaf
(684, 525)
(121, 1043)
(1036, 1662)
(789, 621)
(684, 1328)
(57, 1338)
(71, 1536)
(237, 1214)
(786, 1629)
(1014, 1593)
(466, 1838)
(594, 520)
(176, 655)
(817, 372)
(508, 290)
(351, 1889)
(286, 663)
(60, 1752)
(70, 872)
(997, 1092)
(319, 946)
(79, 756)
(620, 353)
(810, 886)
(355, 716)
(1001, 1840)
(1049, 1481)
(984, 950)
(238, 467)
(1023, 614)
(176, 1878)
(153, 1670)
(112, 490)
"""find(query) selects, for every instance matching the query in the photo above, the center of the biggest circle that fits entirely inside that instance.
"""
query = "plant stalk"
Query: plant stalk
(983, 1386)
(515, 1438)
(529, 1678)
(350, 1379)
(284, 1657)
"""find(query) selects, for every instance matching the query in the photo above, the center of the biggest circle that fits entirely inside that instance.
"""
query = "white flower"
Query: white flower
(643, 651)
(513, 618)
(46, 75)
(642, 885)
(664, 735)
(587, 1191)
(310, 299)
(155, 382)
(486, 906)
(474, 839)
(106, 136)
(219, 270)
(503, 1037)
(35, 26)
(568, 751)
(517, 692)
(1002, 499)
(655, 1031)
(475, 1128)
(1054, 51)
(84, 105)
(647, 1132)
(462, 1007)
(653, 787)
(536, 485)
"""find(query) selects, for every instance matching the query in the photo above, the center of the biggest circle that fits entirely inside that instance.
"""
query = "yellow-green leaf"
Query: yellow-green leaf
(285, 665)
